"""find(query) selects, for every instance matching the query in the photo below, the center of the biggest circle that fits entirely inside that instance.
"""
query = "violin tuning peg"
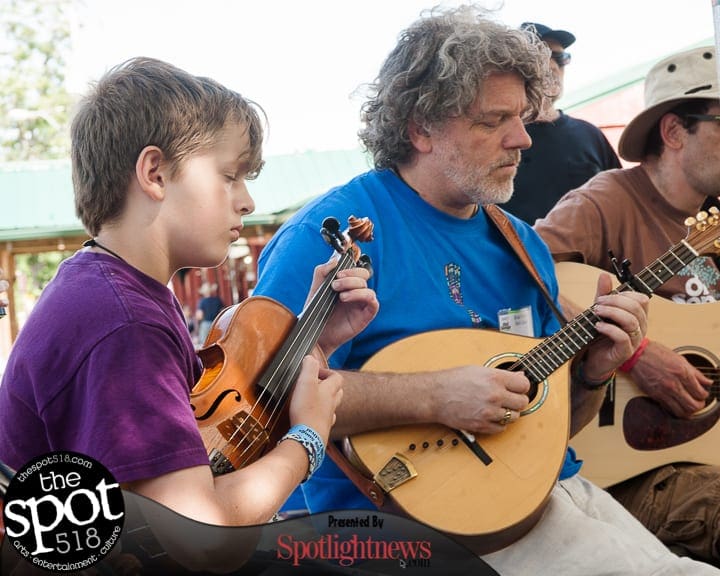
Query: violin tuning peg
(365, 262)
(331, 225)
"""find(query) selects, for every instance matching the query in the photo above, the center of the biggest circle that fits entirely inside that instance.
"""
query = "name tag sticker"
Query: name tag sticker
(519, 322)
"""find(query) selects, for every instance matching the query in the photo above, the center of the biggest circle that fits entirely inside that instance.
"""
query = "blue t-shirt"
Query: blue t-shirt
(210, 306)
(430, 271)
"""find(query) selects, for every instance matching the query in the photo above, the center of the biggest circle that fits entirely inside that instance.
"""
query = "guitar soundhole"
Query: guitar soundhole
(648, 426)
(706, 363)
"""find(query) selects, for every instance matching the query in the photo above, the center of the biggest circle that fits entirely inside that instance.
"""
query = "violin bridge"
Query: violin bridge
(246, 441)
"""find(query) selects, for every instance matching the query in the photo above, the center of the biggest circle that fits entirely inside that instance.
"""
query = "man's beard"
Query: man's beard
(483, 189)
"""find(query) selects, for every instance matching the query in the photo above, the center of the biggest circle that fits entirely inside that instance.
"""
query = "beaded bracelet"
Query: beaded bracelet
(630, 362)
(588, 385)
(313, 444)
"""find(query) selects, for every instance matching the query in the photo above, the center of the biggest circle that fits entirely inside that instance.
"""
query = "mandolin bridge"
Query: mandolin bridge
(397, 471)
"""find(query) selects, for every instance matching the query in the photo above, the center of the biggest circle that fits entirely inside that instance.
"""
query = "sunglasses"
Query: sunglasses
(561, 58)
(704, 117)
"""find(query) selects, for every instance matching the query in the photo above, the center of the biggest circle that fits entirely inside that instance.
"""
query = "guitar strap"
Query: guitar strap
(506, 228)
(367, 485)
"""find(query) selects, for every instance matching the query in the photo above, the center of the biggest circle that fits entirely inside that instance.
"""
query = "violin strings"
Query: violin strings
(322, 302)
(285, 375)
(316, 324)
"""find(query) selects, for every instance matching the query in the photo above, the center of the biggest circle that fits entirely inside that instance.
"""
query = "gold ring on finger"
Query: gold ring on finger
(506, 417)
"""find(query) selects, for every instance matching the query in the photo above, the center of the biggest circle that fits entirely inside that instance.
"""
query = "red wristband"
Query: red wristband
(630, 362)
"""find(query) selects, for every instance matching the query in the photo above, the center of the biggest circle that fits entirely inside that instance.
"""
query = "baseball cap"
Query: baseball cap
(545, 32)
(691, 74)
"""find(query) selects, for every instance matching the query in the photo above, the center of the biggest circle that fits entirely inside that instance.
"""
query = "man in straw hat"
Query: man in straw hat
(639, 213)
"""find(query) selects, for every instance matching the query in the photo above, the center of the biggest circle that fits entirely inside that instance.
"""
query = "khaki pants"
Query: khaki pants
(586, 532)
(680, 504)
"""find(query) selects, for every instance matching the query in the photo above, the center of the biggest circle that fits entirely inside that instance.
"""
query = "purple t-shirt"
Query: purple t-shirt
(104, 366)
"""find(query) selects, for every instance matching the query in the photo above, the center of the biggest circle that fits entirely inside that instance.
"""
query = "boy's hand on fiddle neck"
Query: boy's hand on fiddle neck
(357, 305)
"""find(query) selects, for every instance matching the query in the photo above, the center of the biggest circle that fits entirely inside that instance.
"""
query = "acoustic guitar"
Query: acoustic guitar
(632, 433)
(490, 490)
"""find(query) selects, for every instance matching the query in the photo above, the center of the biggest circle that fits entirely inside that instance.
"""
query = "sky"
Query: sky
(305, 61)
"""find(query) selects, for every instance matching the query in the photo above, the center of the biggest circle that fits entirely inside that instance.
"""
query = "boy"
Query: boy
(104, 366)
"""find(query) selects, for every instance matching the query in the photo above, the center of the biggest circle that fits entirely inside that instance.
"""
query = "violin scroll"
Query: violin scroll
(359, 229)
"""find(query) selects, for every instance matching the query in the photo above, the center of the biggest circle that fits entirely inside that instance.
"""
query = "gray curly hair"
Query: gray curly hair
(436, 71)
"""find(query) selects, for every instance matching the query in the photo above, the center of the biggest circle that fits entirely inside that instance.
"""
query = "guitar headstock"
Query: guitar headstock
(704, 231)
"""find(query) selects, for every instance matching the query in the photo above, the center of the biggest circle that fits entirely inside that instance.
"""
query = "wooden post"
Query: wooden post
(8, 325)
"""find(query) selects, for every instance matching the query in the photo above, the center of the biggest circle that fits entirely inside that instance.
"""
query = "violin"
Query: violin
(252, 357)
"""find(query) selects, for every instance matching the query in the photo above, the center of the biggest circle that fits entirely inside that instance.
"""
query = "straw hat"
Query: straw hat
(689, 75)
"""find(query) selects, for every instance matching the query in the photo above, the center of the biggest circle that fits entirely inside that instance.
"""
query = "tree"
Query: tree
(35, 45)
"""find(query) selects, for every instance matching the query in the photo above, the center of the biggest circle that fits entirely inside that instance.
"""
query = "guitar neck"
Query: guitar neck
(549, 355)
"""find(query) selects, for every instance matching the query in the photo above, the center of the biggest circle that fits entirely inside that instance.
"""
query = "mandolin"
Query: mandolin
(252, 357)
(490, 490)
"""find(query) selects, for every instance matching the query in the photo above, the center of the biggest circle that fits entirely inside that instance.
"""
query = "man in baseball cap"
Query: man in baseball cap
(565, 151)
(639, 213)
(563, 37)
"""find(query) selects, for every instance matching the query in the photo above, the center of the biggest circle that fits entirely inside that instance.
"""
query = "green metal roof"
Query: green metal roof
(37, 197)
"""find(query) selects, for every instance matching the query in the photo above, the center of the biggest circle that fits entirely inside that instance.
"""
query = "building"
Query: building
(38, 216)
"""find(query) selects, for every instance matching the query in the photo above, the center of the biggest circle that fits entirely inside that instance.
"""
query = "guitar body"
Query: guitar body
(488, 497)
(632, 434)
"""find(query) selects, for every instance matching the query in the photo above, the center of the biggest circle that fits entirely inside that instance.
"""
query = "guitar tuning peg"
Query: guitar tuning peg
(690, 221)
(714, 210)
(702, 216)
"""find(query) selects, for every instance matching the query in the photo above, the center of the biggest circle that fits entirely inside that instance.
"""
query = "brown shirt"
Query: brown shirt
(621, 210)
